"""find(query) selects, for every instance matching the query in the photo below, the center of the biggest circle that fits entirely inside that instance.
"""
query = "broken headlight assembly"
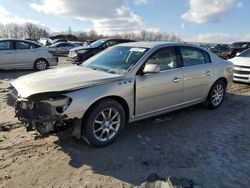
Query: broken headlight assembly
(58, 104)
(43, 114)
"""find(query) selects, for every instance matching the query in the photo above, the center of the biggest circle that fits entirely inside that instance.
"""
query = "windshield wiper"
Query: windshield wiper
(112, 72)
(104, 70)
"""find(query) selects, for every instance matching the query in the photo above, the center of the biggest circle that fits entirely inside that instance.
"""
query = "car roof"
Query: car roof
(150, 44)
(30, 41)
(241, 42)
(55, 44)
(106, 39)
(63, 43)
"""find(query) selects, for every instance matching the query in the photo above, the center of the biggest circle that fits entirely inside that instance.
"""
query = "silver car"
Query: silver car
(123, 84)
(24, 54)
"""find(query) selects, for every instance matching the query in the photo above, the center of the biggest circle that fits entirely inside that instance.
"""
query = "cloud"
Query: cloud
(239, 5)
(139, 2)
(217, 38)
(109, 16)
(247, 37)
(183, 26)
(7, 17)
(203, 11)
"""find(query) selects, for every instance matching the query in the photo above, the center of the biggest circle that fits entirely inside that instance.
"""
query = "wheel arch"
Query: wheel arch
(119, 99)
(220, 78)
(223, 79)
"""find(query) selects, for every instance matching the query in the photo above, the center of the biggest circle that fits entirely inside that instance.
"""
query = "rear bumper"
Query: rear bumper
(53, 61)
(74, 60)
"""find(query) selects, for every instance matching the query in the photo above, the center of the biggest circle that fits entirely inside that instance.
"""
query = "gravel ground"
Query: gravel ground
(211, 147)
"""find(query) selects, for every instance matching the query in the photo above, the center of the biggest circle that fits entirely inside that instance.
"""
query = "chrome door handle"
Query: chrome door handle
(208, 73)
(175, 80)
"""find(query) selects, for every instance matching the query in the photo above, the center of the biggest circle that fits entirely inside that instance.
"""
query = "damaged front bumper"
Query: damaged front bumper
(43, 112)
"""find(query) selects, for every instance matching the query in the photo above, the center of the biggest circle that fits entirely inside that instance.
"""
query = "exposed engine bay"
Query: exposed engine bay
(44, 113)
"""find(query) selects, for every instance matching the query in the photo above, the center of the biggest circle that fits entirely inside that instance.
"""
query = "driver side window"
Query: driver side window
(165, 58)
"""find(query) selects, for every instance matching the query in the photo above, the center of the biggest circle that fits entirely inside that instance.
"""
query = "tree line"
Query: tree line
(34, 31)
(28, 30)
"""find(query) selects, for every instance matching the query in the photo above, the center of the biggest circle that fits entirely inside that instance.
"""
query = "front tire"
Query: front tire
(216, 94)
(104, 123)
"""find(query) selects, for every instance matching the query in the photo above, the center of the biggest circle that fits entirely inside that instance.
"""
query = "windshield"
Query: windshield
(97, 43)
(246, 53)
(116, 60)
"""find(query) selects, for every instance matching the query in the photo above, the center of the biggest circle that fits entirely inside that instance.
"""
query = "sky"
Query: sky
(219, 21)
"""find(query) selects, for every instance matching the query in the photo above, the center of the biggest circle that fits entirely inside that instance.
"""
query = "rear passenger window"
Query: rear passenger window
(23, 45)
(5, 45)
(60, 45)
(192, 56)
(207, 57)
(165, 58)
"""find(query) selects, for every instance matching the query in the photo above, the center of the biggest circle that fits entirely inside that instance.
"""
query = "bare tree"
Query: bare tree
(34, 32)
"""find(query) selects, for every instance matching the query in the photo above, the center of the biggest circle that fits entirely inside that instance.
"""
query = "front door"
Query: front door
(163, 90)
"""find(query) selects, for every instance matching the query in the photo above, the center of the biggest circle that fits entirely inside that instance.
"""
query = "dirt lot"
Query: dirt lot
(211, 147)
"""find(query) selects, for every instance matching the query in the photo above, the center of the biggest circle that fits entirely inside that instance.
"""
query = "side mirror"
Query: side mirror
(151, 68)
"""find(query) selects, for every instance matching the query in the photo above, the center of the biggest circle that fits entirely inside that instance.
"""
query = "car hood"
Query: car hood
(61, 79)
(241, 61)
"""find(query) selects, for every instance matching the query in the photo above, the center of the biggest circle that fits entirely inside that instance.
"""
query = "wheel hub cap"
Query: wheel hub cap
(106, 124)
(218, 94)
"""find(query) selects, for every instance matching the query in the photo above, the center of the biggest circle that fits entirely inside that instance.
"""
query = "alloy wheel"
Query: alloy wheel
(218, 94)
(106, 124)
(41, 65)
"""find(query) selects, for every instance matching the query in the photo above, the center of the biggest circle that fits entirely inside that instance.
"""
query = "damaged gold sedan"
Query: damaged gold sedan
(125, 83)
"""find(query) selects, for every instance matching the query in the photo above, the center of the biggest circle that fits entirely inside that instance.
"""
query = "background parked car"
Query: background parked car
(80, 54)
(58, 40)
(23, 54)
(242, 67)
(222, 50)
(78, 43)
(61, 48)
(238, 47)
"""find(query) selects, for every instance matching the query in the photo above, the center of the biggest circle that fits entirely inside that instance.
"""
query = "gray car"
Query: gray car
(125, 83)
(61, 48)
(24, 54)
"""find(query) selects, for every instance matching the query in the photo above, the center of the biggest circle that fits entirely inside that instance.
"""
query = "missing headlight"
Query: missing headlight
(59, 103)
(61, 109)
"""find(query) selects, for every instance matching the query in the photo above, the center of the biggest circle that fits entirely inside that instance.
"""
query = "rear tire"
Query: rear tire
(216, 94)
(41, 64)
(104, 123)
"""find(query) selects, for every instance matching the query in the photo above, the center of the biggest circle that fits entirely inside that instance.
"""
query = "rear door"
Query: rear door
(7, 54)
(163, 90)
(198, 74)
(26, 54)
(60, 48)
(67, 47)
